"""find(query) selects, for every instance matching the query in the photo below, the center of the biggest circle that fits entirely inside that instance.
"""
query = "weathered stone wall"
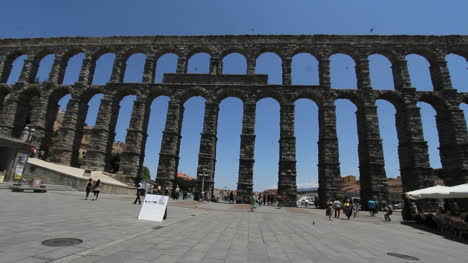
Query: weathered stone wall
(15, 110)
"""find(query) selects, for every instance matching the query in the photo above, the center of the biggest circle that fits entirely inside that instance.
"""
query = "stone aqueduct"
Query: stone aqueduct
(17, 112)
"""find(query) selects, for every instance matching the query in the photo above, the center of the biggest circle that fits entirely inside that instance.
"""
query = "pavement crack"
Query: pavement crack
(260, 229)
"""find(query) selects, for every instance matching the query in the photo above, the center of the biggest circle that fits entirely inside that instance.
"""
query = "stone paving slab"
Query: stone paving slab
(203, 232)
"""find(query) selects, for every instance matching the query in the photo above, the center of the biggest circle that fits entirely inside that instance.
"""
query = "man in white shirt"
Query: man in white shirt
(138, 193)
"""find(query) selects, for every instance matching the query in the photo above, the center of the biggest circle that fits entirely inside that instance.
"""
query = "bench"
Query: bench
(20, 188)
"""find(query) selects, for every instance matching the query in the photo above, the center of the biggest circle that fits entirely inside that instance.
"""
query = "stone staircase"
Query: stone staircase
(5, 185)
(49, 187)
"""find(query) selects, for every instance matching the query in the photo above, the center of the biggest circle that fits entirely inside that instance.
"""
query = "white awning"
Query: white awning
(459, 191)
(437, 192)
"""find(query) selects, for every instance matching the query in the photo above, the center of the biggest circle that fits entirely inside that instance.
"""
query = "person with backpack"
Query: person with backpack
(337, 206)
(347, 208)
(371, 205)
(389, 211)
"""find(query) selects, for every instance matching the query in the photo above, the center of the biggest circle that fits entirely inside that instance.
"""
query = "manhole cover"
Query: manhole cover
(61, 242)
(403, 256)
(158, 227)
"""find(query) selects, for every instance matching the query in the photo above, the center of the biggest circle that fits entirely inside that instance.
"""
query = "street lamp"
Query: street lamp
(203, 185)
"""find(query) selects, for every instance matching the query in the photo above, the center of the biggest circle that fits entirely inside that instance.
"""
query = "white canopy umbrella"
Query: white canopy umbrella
(459, 191)
(437, 191)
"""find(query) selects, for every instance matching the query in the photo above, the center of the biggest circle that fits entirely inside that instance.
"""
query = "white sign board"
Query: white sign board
(154, 207)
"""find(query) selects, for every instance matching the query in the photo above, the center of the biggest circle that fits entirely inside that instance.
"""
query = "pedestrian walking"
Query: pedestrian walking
(388, 211)
(253, 202)
(371, 205)
(33, 152)
(184, 195)
(88, 187)
(280, 201)
(337, 206)
(138, 194)
(348, 210)
(328, 211)
(177, 193)
(355, 208)
(97, 189)
(231, 197)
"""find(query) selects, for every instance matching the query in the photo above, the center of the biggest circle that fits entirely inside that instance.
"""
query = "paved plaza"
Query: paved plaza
(197, 232)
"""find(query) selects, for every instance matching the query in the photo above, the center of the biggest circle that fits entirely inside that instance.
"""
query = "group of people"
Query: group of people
(157, 189)
(373, 207)
(176, 194)
(95, 187)
(264, 199)
(40, 154)
(349, 208)
(205, 196)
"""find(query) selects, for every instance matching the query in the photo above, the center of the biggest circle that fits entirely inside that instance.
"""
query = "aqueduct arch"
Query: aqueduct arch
(249, 87)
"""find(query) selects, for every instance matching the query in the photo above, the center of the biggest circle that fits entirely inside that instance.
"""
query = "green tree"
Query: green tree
(184, 184)
(145, 174)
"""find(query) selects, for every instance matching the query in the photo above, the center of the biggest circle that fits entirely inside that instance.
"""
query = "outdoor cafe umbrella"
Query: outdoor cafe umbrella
(437, 192)
(458, 191)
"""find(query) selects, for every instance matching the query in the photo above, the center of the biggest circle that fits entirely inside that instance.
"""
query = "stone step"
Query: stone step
(49, 187)
(54, 187)
(7, 185)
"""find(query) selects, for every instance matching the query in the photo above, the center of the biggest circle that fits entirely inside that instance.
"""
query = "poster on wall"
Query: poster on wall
(19, 172)
(153, 208)
(22, 158)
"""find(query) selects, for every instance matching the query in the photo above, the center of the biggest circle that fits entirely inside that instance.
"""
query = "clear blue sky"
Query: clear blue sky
(24, 19)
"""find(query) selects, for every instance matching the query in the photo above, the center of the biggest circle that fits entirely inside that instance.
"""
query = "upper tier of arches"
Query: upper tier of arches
(359, 54)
